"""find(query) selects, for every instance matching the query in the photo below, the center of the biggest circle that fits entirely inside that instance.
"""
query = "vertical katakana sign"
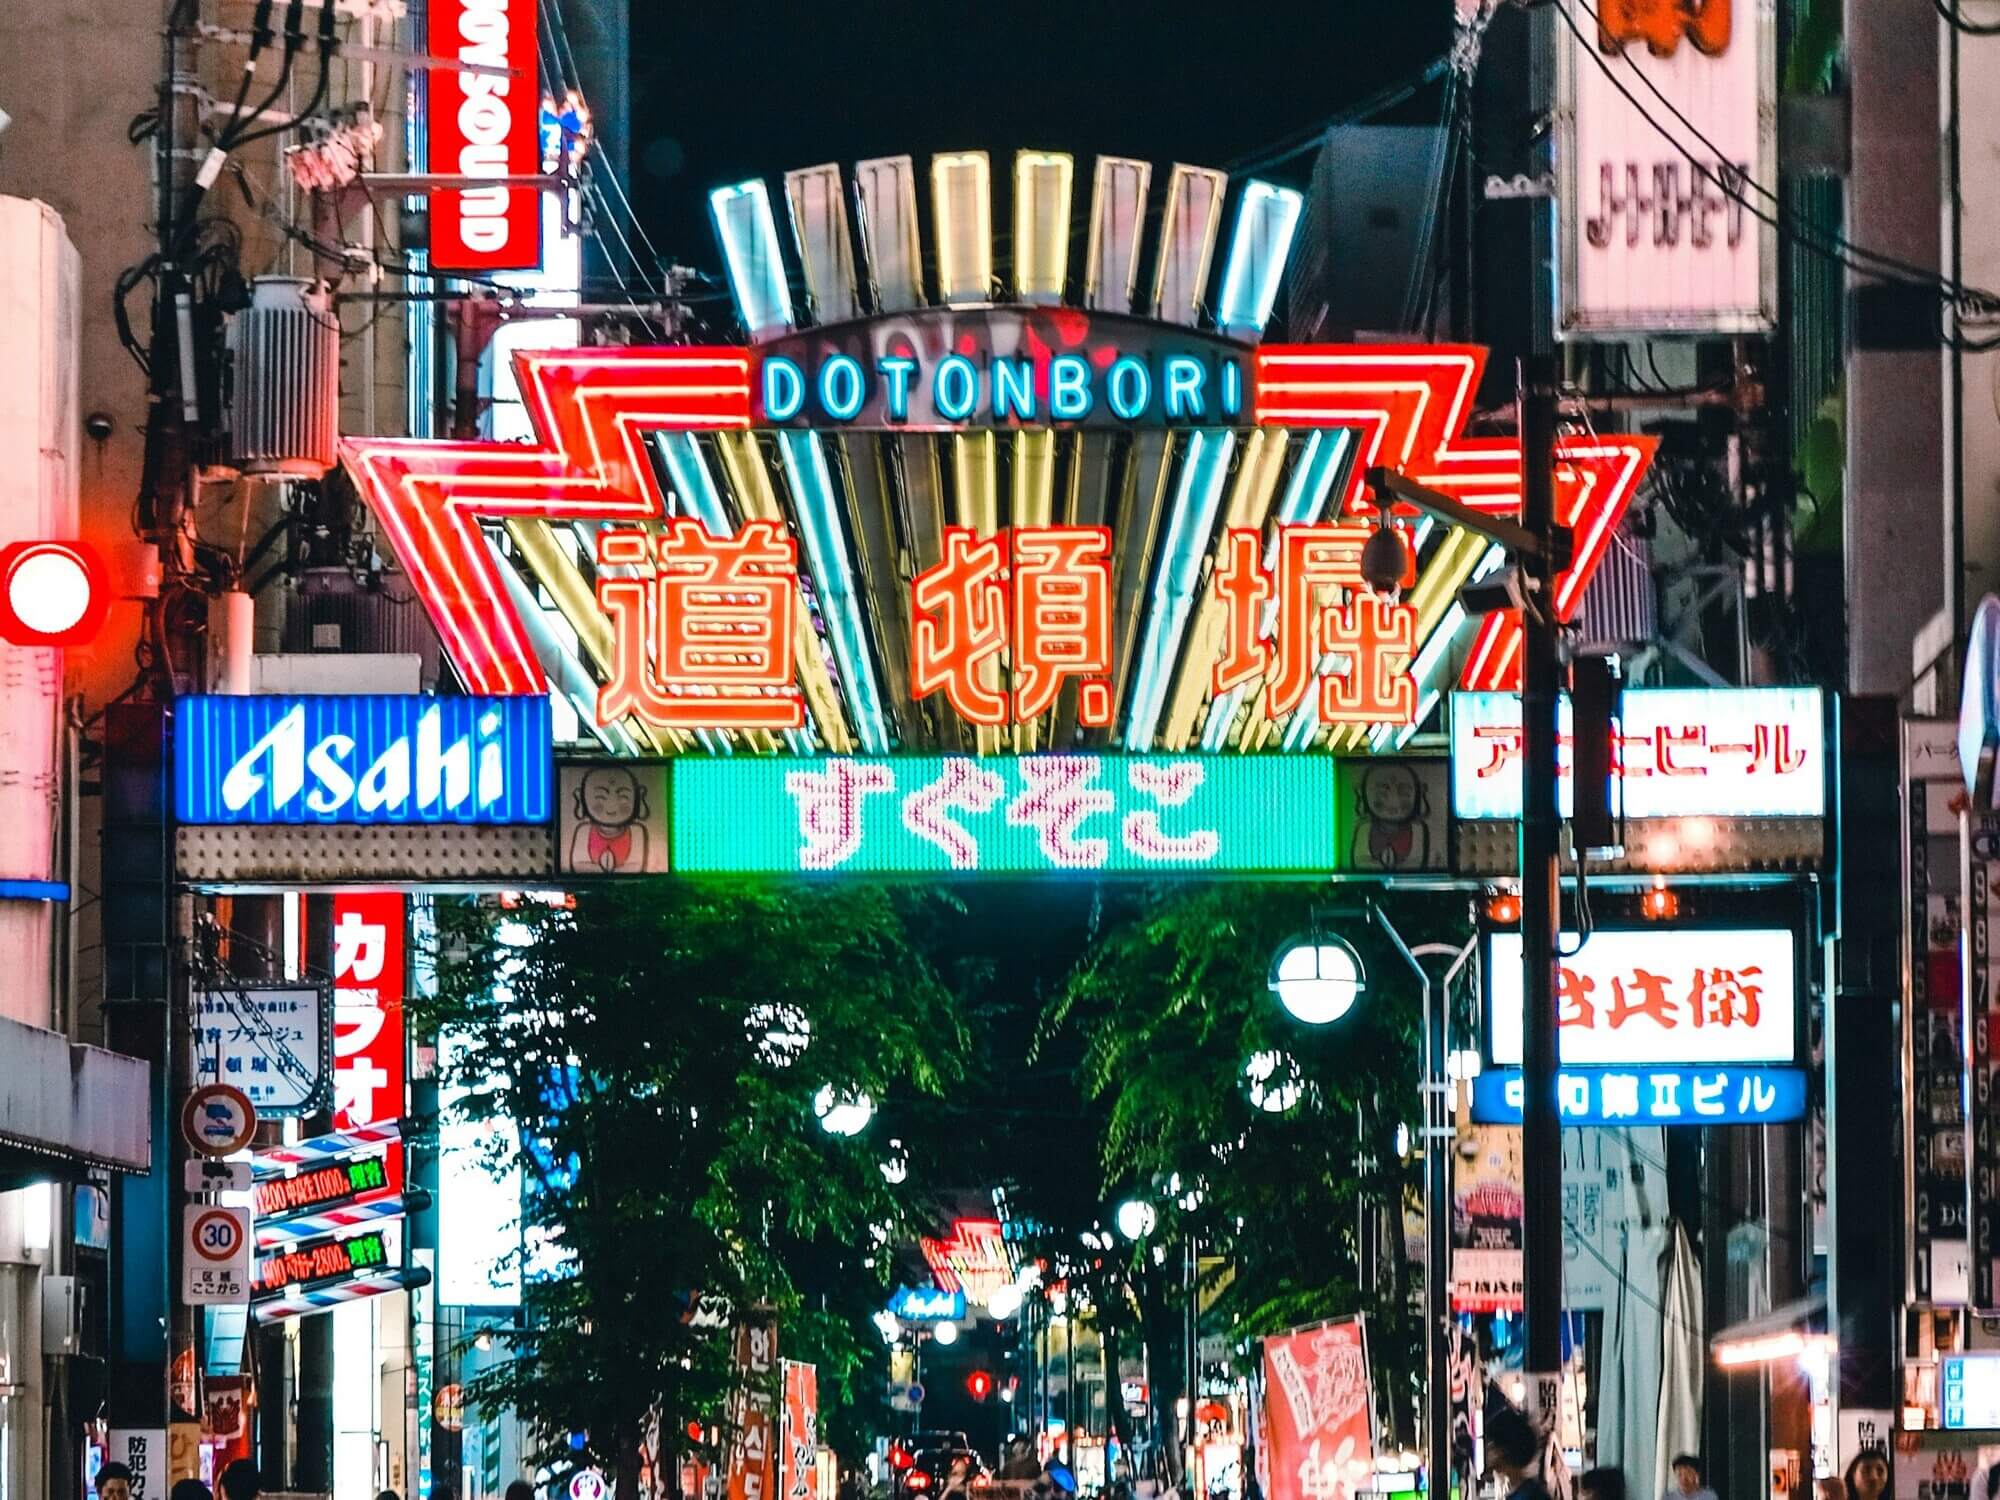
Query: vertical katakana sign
(368, 992)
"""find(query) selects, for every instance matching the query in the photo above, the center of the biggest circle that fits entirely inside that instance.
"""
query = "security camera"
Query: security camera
(1503, 588)
(98, 425)
(1384, 560)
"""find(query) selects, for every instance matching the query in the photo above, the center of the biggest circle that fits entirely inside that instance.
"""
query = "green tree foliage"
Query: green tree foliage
(668, 1146)
(1302, 1208)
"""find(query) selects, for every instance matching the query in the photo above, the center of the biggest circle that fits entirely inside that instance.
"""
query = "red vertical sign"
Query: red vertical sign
(368, 981)
(751, 1447)
(485, 125)
(1318, 1413)
(799, 1446)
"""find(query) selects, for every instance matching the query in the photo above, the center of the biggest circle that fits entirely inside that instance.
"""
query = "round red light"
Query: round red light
(52, 593)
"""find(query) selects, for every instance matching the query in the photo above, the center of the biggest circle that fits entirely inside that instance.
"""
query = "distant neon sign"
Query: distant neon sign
(1650, 1096)
(1006, 815)
(972, 1260)
(363, 759)
(1681, 752)
(927, 1304)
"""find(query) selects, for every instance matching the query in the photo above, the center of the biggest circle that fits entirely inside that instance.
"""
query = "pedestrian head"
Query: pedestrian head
(114, 1482)
(1603, 1484)
(241, 1481)
(388, 1495)
(1868, 1475)
(190, 1489)
(1687, 1472)
(1511, 1444)
(520, 1489)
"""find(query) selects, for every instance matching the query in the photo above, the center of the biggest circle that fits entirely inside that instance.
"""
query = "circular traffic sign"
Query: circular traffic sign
(218, 1120)
(217, 1235)
(587, 1484)
(914, 1395)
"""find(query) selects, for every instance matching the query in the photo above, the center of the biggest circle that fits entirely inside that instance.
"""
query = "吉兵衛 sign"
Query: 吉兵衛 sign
(941, 369)
(1651, 1096)
(1657, 995)
(268, 1040)
(1662, 230)
(393, 758)
(1007, 815)
(1681, 752)
(709, 639)
(927, 1304)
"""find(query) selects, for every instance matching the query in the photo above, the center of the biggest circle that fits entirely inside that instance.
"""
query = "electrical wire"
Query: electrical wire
(1728, 183)
(1959, 24)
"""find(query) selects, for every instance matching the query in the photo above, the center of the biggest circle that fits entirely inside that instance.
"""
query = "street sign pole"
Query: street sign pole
(1541, 901)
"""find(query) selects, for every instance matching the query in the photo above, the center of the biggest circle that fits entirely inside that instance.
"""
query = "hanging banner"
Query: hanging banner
(1663, 225)
(1486, 1219)
(485, 125)
(798, 1446)
(1938, 1251)
(750, 1416)
(1319, 1411)
(368, 992)
(1978, 1022)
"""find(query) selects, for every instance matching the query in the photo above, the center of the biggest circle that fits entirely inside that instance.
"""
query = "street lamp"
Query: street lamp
(1313, 979)
(945, 1334)
(1317, 978)
(843, 1114)
(1136, 1218)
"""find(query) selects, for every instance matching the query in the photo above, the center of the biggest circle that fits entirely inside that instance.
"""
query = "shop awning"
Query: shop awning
(1782, 1333)
(65, 1107)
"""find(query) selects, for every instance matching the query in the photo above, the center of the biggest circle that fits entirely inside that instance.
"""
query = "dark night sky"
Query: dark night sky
(734, 89)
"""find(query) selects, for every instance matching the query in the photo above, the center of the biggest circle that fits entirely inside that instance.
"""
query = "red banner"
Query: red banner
(485, 125)
(750, 1450)
(799, 1447)
(1319, 1413)
(368, 992)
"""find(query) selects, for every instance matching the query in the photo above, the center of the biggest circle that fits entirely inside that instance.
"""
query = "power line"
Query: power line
(1900, 272)
(1959, 24)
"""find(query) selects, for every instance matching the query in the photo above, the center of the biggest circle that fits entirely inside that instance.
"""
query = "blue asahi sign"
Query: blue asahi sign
(927, 1304)
(363, 759)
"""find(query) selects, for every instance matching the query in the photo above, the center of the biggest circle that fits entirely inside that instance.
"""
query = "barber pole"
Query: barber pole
(320, 1299)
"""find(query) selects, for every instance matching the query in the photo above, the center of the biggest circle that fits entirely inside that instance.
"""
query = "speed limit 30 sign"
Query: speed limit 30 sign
(215, 1254)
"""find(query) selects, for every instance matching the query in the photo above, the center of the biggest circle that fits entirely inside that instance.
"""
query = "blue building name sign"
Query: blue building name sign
(927, 1304)
(366, 759)
(1651, 1096)
(942, 369)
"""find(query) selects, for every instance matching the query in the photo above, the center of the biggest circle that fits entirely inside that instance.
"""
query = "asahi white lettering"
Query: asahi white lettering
(485, 124)
(468, 771)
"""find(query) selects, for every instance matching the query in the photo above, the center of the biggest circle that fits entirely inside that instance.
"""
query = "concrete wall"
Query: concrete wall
(1971, 394)
(1896, 534)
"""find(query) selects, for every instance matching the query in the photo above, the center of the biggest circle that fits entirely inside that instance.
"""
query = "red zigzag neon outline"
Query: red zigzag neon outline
(589, 409)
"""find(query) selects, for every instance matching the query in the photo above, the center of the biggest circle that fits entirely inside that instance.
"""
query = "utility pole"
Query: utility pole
(1539, 550)
(1541, 897)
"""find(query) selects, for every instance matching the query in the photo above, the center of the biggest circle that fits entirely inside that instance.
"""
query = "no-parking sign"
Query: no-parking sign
(215, 1254)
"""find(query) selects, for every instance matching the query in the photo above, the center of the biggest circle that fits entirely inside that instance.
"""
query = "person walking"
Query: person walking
(1514, 1452)
(1602, 1484)
(190, 1489)
(1691, 1480)
(113, 1482)
(1868, 1475)
(241, 1481)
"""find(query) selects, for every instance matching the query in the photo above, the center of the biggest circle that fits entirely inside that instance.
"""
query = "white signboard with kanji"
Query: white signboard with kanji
(270, 1041)
(1657, 995)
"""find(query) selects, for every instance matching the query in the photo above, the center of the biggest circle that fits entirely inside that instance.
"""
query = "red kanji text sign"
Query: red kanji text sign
(1318, 1412)
(1660, 995)
(368, 993)
(1028, 602)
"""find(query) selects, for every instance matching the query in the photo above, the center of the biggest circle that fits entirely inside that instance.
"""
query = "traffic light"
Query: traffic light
(52, 593)
(979, 1385)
